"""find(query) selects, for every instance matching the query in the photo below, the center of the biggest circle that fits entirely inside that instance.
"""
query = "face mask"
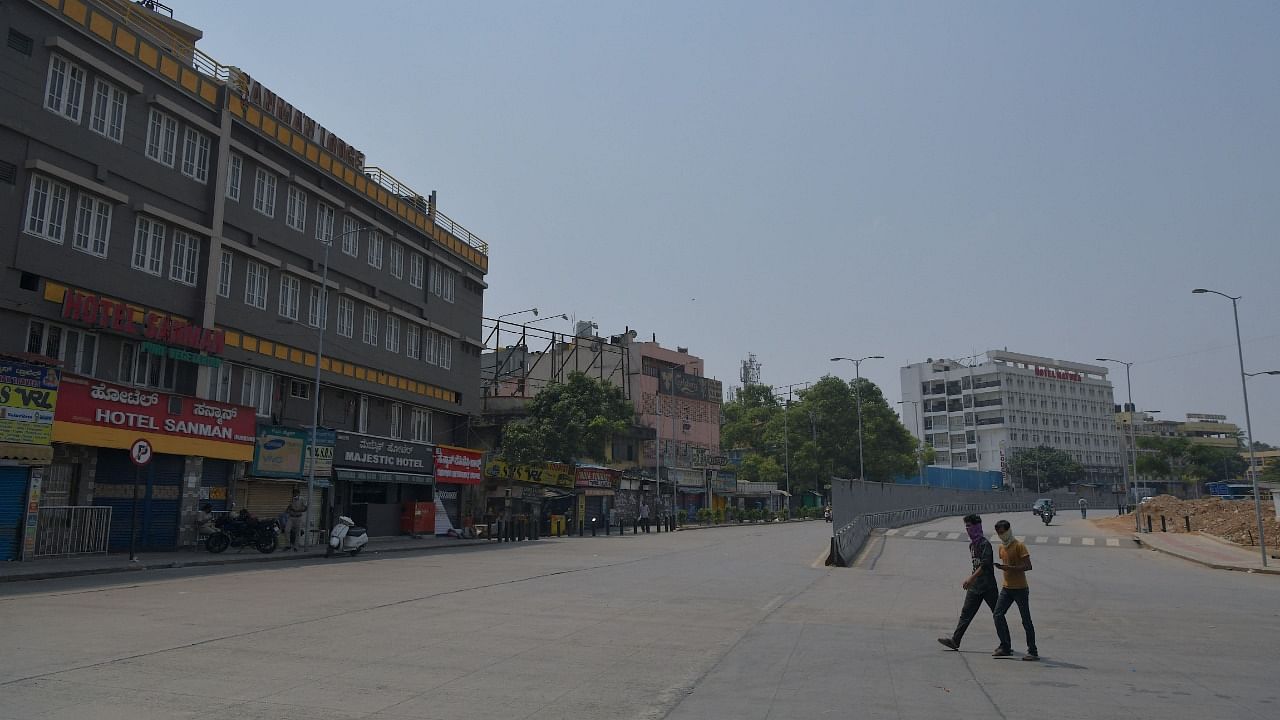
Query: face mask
(975, 532)
(1006, 537)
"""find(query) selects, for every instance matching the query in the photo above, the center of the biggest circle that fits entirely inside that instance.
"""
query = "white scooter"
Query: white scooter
(346, 537)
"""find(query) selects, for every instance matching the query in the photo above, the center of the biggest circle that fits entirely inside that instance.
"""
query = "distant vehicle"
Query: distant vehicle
(1039, 505)
(1230, 491)
(1146, 499)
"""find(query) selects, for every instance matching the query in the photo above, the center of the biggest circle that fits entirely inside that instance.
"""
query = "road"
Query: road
(724, 623)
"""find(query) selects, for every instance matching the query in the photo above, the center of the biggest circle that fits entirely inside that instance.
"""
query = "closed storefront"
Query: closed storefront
(458, 471)
(28, 395)
(159, 498)
(215, 483)
(278, 462)
(377, 476)
(595, 487)
(13, 500)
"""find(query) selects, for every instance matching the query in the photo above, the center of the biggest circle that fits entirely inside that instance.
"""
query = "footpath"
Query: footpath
(119, 563)
(1209, 551)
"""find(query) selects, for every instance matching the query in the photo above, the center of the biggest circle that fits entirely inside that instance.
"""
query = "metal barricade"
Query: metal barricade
(72, 530)
(848, 540)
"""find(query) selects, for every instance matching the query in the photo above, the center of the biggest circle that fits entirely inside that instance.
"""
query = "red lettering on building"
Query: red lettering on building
(107, 314)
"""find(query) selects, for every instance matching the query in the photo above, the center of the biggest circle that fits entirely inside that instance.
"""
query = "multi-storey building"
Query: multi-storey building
(1198, 428)
(183, 239)
(976, 415)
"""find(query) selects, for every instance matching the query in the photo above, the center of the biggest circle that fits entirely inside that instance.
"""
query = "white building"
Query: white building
(977, 414)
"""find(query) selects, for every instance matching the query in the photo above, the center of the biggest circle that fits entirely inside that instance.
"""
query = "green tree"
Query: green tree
(568, 421)
(1213, 464)
(1270, 472)
(1044, 467)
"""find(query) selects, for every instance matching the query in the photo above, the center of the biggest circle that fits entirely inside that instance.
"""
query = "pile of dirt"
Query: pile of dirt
(1233, 520)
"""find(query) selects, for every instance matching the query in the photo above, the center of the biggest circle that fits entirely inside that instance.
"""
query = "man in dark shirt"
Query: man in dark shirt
(980, 586)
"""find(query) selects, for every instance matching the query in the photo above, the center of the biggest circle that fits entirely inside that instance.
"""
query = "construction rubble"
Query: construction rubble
(1233, 520)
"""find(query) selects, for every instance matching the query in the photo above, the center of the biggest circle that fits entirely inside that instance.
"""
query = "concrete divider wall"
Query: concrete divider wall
(858, 507)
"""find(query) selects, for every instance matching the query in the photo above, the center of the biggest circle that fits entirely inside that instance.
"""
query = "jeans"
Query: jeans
(972, 602)
(1008, 596)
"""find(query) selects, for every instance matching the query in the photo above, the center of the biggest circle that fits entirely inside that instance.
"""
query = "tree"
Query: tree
(1046, 466)
(1178, 459)
(568, 421)
(1213, 464)
(1270, 472)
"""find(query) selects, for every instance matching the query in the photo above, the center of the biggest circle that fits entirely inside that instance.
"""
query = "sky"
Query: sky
(802, 180)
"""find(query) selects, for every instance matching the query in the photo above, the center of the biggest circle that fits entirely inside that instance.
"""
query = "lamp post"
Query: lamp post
(561, 316)
(1133, 432)
(323, 320)
(857, 394)
(1248, 422)
(915, 410)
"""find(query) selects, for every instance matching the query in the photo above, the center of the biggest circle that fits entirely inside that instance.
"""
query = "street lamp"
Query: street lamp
(1133, 432)
(857, 394)
(915, 407)
(561, 316)
(315, 389)
(533, 310)
(1248, 422)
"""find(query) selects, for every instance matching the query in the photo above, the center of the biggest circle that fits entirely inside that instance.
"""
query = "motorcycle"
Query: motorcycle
(346, 537)
(1047, 515)
(826, 514)
(244, 532)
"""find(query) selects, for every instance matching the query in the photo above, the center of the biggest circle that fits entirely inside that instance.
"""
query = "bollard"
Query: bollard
(1188, 519)
(659, 524)
(635, 525)
(1162, 525)
(593, 527)
(1148, 523)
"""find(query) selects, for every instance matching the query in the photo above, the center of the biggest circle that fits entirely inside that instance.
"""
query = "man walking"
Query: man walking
(297, 511)
(644, 516)
(1015, 561)
(1084, 507)
(980, 586)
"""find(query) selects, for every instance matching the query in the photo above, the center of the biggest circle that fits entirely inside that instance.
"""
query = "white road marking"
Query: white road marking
(1042, 538)
(911, 533)
(1064, 541)
(931, 534)
(894, 531)
(952, 536)
(1113, 542)
(1087, 541)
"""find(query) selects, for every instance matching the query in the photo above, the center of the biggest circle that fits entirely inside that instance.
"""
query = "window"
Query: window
(397, 423)
(256, 391)
(362, 415)
(419, 424)
(220, 383)
(442, 281)
(290, 289)
(145, 369)
(195, 155)
(318, 309)
(235, 166)
(412, 342)
(93, 226)
(393, 333)
(162, 138)
(47, 208)
(255, 285)
(397, 261)
(299, 389)
(370, 326)
(148, 246)
(107, 115)
(186, 258)
(324, 223)
(375, 250)
(346, 316)
(264, 193)
(75, 348)
(350, 236)
(224, 275)
(431, 348)
(295, 212)
(446, 352)
(415, 270)
(65, 88)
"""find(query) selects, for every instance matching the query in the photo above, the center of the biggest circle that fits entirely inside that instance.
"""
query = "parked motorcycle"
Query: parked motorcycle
(346, 537)
(244, 531)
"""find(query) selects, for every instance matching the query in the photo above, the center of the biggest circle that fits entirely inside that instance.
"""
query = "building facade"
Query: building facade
(183, 239)
(976, 415)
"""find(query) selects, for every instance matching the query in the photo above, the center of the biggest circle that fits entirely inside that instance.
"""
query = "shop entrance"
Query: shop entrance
(159, 499)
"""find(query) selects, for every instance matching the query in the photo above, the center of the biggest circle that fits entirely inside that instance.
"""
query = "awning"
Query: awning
(26, 453)
(381, 476)
(321, 481)
(595, 492)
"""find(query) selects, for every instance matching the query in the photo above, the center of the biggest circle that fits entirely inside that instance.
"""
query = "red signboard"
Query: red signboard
(1059, 374)
(84, 401)
(100, 312)
(458, 466)
(596, 477)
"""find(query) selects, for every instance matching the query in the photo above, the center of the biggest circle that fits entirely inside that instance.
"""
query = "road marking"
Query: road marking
(1087, 541)
(769, 606)
(894, 531)
(1042, 538)
(1113, 542)
(931, 535)
(821, 561)
(911, 533)
(1064, 541)
(952, 536)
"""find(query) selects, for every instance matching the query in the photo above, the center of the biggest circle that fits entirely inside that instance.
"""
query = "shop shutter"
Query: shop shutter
(164, 503)
(216, 476)
(158, 503)
(265, 498)
(13, 499)
(111, 483)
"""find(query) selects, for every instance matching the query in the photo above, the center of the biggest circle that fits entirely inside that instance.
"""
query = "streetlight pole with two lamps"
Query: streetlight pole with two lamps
(1133, 432)
(857, 394)
(1248, 422)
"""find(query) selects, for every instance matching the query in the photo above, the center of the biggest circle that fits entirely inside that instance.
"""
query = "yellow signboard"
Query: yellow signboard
(553, 474)
(28, 396)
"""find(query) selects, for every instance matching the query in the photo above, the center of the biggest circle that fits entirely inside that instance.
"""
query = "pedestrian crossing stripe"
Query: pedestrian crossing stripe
(953, 536)
(920, 534)
(1064, 540)
(912, 533)
(894, 531)
(931, 535)
(1087, 541)
(1113, 542)
(1042, 538)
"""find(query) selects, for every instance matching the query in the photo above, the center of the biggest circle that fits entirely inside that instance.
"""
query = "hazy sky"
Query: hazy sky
(809, 179)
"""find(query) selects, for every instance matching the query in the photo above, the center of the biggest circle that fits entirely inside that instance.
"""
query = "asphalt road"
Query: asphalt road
(726, 623)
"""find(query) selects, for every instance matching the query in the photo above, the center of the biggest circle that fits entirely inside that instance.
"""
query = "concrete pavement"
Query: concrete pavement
(1209, 551)
(741, 623)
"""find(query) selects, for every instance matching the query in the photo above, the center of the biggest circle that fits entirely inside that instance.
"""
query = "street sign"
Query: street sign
(140, 452)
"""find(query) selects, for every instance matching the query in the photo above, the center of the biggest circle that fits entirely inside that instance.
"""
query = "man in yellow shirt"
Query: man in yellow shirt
(1015, 561)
